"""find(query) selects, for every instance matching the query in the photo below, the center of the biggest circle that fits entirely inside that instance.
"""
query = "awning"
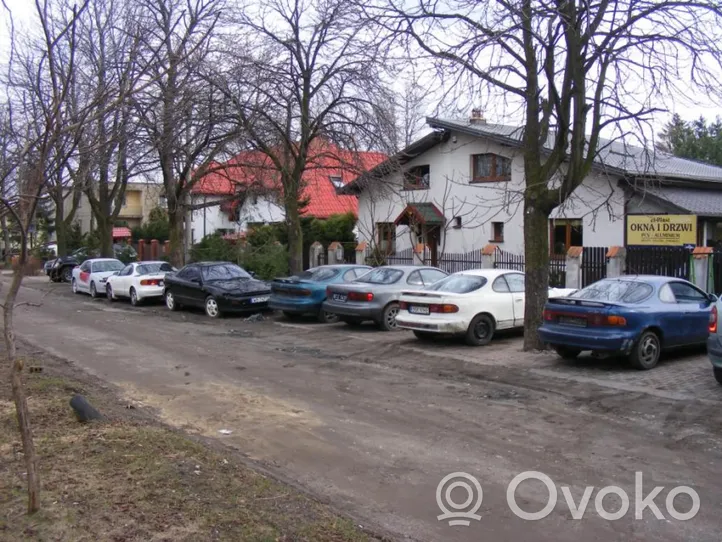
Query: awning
(121, 233)
(421, 213)
(695, 201)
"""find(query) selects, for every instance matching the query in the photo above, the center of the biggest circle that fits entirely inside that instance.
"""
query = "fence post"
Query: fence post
(154, 249)
(314, 252)
(488, 256)
(166, 249)
(141, 249)
(418, 254)
(361, 253)
(573, 274)
(700, 268)
(616, 261)
(335, 253)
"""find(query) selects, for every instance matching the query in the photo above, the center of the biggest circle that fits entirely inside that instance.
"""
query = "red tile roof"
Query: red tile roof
(326, 161)
(121, 233)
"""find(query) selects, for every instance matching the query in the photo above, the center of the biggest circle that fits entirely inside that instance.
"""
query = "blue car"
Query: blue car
(635, 316)
(306, 292)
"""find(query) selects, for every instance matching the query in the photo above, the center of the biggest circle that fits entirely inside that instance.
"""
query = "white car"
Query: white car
(91, 275)
(139, 281)
(472, 303)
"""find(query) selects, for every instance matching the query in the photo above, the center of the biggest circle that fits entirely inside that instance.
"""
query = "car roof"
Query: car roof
(149, 261)
(653, 279)
(91, 260)
(407, 267)
(488, 273)
(209, 264)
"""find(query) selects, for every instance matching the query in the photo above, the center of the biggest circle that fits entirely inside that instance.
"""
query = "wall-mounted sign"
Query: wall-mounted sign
(662, 230)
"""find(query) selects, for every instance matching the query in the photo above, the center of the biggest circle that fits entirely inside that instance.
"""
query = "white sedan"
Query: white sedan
(139, 281)
(472, 303)
(91, 275)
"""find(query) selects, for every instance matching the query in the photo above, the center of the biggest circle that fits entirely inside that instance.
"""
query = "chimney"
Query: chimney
(477, 117)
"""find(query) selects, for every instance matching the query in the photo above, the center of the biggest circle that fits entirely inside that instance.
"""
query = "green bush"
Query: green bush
(157, 227)
(126, 254)
(267, 261)
(213, 248)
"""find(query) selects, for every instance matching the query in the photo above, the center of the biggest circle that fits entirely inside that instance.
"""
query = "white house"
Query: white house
(461, 188)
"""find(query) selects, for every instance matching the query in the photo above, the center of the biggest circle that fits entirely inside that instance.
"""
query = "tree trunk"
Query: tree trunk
(21, 404)
(6, 240)
(536, 257)
(105, 233)
(61, 237)
(176, 237)
(295, 237)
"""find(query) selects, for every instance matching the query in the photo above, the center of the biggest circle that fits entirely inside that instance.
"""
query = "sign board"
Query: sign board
(662, 230)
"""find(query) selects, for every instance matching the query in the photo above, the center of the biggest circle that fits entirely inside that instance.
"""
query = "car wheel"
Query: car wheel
(134, 298)
(424, 335)
(388, 317)
(327, 317)
(212, 308)
(74, 286)
(645, 354)
(170, 301)
(66, 274)
(93, 291)
(565, 352)
(480, 331)
(351, 321)
(718, 374)
(291, 315)
(109, 293)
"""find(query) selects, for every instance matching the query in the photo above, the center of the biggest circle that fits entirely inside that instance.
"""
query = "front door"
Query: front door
(432, 238)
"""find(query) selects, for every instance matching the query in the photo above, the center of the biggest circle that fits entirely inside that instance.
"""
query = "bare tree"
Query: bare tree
(574, 71)
(307, 81)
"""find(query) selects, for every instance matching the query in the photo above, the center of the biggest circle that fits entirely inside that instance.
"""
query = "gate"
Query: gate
(662, 261)
(594, 265)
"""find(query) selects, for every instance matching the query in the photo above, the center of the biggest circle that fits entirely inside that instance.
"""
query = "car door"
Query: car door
(499, 302)
(123, 281)
(178, 284)
(694, 306)
(84, 276)
(414, 279)
(518, 298)
(192, 287)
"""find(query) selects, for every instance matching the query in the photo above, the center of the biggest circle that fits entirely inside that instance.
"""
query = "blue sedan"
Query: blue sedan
(306, 292)
(636, 316)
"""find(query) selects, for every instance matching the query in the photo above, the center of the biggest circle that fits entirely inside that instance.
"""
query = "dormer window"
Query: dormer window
(417, 178)
(488, 168)
(336, 181)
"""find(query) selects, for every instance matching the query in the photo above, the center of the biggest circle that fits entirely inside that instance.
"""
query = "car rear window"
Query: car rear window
(382, 275)
(621, 291)
(102, 267)
(458, 284)
(319, 273)
(149, 268)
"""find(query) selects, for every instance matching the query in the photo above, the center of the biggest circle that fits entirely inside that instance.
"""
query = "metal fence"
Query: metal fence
(405, 257)
(662, 261)
(594, 264)
(508, 260)
(459, 261)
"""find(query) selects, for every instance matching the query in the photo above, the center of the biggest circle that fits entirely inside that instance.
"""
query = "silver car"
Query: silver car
(375, 295)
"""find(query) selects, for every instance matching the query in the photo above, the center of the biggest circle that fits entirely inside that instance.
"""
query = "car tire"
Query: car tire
(93, 291)
(646, 351)
(109, 293)
(74, 286)
(66, 274)
(211, 306)
(134, 297)
(480, 331)
(717, 374)
(291, 315)
(424, 335)
(170, 301)
(388, 317)
(565, 352)
(351, 321)
(326, 317)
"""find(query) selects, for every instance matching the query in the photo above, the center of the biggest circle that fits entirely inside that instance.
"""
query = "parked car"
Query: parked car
(138, 282)
(306, 292)
(635, 316)
(375, 296)
(91, 275)
(714, 341)
(219, 287)
(61, 269)
(474, 303)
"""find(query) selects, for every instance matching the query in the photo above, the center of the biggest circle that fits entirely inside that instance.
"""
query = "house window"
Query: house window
(336, 181)
(488, 168)
(497, 231)
(565, 233)
(417, 178)
(386, 237)
(457, 223)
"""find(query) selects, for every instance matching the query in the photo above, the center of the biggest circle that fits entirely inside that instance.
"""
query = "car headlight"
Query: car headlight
(103, 280)
(56, 264)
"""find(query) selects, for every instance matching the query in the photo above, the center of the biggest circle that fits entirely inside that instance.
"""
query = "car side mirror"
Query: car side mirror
(196, 280)
(253, 274)
(712, 298)
(116, 273)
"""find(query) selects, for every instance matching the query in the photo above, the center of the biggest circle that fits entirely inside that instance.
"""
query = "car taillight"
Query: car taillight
(304, 292)
(713, 320)
(600, 319)
(403, 305)
(360, 296)
(328, 291)
(150, 282)
(548, 315)
(446, 308)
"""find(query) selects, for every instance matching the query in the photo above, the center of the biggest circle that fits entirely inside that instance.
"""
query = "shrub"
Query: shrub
(267, 261)
(213, 248)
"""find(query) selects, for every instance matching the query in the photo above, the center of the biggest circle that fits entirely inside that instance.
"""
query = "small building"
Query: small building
(461, 187)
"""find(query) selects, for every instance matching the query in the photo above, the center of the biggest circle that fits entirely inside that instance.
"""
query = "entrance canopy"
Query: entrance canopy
(421, 213)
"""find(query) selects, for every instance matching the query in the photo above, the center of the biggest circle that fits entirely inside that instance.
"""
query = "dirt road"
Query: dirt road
(373, 421)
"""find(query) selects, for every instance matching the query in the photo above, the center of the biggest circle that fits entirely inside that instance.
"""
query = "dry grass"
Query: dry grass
(128, 479)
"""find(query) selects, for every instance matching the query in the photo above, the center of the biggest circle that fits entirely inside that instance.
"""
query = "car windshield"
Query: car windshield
(625, 291)
(381, 275)
(150, 268)
(224, 272)
(458, 284)
(111, 265)
(319, 273)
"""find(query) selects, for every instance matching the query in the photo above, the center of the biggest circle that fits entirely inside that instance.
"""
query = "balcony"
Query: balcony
(131, 211)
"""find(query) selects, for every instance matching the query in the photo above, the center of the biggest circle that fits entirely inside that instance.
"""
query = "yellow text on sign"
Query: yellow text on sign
(666, 230)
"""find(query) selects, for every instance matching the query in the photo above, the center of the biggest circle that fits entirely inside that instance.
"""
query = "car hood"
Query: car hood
(238, 286)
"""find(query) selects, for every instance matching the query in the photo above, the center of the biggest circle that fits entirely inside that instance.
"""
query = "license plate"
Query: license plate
(413, 309)
(571, 321)
(339, 297)
(259, 299)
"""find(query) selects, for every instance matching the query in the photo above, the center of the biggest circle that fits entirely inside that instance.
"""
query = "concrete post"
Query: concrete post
(418, 254)
(361, 253)
(616, 261)
(574, 268)
(166, 249)
(335, 253)
(488, 256)
(701, 260)
(315, 251)
(141, 249)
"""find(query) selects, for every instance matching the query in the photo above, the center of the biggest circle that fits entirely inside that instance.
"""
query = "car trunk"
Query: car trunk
(581, 313)
(427, 303)
(292, 287)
